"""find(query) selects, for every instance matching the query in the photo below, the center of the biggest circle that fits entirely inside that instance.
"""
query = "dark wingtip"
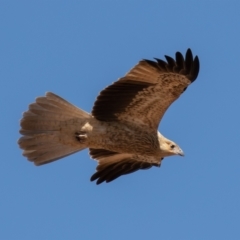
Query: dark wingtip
(171, 61)
(192, 66)
(94, 177)
(187, 66)
(188, 60)
(99, 180)
(179, 60)
(195, 69)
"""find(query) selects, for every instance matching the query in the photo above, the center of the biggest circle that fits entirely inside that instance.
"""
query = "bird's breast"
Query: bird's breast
(119, 137)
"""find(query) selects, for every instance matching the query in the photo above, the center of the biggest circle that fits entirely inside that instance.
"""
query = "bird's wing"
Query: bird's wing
(144, 94)
(112, 165)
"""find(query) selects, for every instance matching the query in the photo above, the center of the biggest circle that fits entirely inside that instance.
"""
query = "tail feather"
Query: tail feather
(43, 156)
(47, 128)
(66, 106)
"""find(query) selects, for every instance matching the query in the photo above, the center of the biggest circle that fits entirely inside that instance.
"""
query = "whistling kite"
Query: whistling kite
(122, 130)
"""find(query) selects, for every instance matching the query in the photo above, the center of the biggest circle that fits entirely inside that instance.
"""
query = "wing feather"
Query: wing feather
(112, 165)
(144, 94)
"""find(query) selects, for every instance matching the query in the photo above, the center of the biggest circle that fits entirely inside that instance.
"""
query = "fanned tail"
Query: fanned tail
(48, 129)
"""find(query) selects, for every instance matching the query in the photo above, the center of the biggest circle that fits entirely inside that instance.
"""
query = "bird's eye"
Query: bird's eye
(172, 146)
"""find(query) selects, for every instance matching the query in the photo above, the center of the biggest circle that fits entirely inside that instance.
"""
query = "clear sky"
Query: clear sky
(75, 49)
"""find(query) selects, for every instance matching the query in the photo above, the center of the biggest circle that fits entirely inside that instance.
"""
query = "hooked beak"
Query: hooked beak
(180, 152)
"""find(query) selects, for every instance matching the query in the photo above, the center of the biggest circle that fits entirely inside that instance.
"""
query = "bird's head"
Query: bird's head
(169, 148)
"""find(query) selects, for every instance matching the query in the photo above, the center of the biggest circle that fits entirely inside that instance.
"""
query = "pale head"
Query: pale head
(168, 147)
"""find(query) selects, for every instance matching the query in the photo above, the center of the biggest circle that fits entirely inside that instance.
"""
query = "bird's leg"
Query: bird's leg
(81, 136)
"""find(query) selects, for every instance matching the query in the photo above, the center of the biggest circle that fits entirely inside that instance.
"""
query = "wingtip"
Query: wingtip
(186, 65)
(189, 51)
(196, 68)
(192, 65)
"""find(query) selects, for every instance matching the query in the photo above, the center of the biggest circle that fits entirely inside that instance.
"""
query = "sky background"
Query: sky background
(77, 48)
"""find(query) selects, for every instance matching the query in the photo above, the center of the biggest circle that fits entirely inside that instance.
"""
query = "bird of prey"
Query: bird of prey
(121, 132)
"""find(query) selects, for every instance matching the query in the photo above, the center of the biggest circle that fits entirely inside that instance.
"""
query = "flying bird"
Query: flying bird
(121, 132)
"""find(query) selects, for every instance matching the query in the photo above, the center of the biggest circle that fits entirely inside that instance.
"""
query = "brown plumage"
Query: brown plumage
(122, 130)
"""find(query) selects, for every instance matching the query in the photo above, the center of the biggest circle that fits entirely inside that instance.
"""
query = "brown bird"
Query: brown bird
(122, 130)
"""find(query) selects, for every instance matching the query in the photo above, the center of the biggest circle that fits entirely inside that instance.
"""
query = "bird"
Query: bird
(121, 132)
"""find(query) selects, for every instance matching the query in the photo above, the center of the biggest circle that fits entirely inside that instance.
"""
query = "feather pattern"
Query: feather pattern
(144, 94)
(44, 139)
(112, 165)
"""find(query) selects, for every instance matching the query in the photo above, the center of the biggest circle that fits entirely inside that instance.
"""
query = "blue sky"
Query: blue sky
(75, 49)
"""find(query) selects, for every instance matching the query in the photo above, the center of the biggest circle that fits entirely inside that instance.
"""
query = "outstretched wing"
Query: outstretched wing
(144, 94)
(112, 165)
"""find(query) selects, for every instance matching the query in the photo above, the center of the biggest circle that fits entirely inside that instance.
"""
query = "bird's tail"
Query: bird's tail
(48, 129)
